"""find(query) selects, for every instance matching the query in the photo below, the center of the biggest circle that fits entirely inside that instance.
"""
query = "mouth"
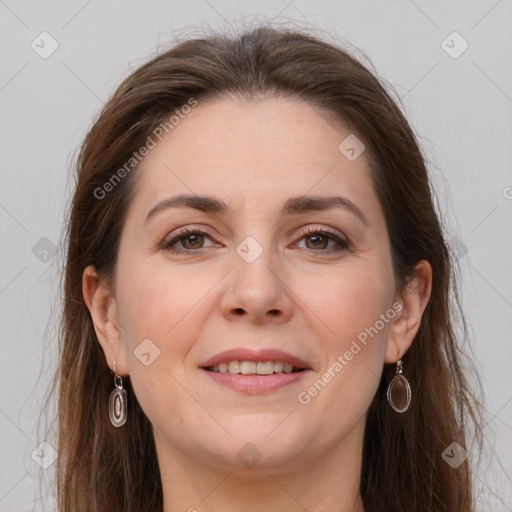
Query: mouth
(254, 367)
(255, 362)
(255, 372)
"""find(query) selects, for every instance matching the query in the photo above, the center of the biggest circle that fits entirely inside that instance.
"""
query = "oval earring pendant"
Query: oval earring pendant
(399, 393)
(117, 407)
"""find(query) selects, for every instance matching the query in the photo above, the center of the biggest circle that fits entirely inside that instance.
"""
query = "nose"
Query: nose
(257, 291)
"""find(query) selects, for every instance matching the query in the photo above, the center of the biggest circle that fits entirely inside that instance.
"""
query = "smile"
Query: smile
(254, 368)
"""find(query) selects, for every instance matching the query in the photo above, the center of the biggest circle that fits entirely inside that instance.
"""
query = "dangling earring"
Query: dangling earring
(399, 391)
(117, 405)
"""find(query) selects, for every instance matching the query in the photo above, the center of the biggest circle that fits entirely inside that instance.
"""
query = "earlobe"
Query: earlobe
(414, 299)
(103, 309)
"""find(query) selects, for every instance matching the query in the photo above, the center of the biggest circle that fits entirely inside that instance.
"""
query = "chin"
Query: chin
(254, 448)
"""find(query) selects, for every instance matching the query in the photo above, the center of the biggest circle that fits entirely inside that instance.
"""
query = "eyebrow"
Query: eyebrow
(293, 206)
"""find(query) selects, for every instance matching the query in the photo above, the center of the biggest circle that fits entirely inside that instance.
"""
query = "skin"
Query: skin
(307, 299)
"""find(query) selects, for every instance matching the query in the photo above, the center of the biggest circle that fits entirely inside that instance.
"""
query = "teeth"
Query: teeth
(252, 367)
(265, 368)
(248, 367)
(234, 367)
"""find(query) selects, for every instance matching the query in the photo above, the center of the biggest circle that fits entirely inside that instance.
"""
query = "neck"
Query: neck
(328, 482)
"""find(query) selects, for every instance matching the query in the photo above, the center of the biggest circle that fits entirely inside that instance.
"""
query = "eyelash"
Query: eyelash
(184, 232)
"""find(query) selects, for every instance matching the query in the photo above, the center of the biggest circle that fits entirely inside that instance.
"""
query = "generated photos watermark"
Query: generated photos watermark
(157, 135)
(304, 397)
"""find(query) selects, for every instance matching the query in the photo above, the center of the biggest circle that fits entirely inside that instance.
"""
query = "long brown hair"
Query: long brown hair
(102, 468)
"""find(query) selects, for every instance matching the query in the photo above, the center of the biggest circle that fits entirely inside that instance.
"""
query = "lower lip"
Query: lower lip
(255, 384)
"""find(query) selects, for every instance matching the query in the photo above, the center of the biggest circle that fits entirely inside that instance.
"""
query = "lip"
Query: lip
(246, 354)
(255, 384)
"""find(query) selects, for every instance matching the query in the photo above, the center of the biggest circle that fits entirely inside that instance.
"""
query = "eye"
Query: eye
(193, 239)
(190, 238)
(318, 240)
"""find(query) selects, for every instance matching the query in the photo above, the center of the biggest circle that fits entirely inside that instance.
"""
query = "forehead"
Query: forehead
(252, 152)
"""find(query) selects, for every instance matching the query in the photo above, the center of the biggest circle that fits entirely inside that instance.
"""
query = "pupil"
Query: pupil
(192, 239)
(317, 237)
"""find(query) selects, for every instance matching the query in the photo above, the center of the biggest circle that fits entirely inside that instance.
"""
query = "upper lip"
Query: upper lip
(247, 354)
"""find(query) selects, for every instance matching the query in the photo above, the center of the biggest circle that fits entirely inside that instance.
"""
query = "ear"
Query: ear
(102, 305)
(414, 300)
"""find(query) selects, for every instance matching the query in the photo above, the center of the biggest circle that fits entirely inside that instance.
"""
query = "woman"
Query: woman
(257, 288)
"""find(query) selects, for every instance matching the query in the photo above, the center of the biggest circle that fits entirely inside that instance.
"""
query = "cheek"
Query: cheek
(156, 310)
(346, 301)
(163, 311)
(155, 301)
(355, 309)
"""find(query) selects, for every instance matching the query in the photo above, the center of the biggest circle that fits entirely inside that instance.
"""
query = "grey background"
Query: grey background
(460, 107)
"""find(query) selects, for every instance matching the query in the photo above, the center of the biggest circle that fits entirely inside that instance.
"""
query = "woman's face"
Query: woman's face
(307, 280)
